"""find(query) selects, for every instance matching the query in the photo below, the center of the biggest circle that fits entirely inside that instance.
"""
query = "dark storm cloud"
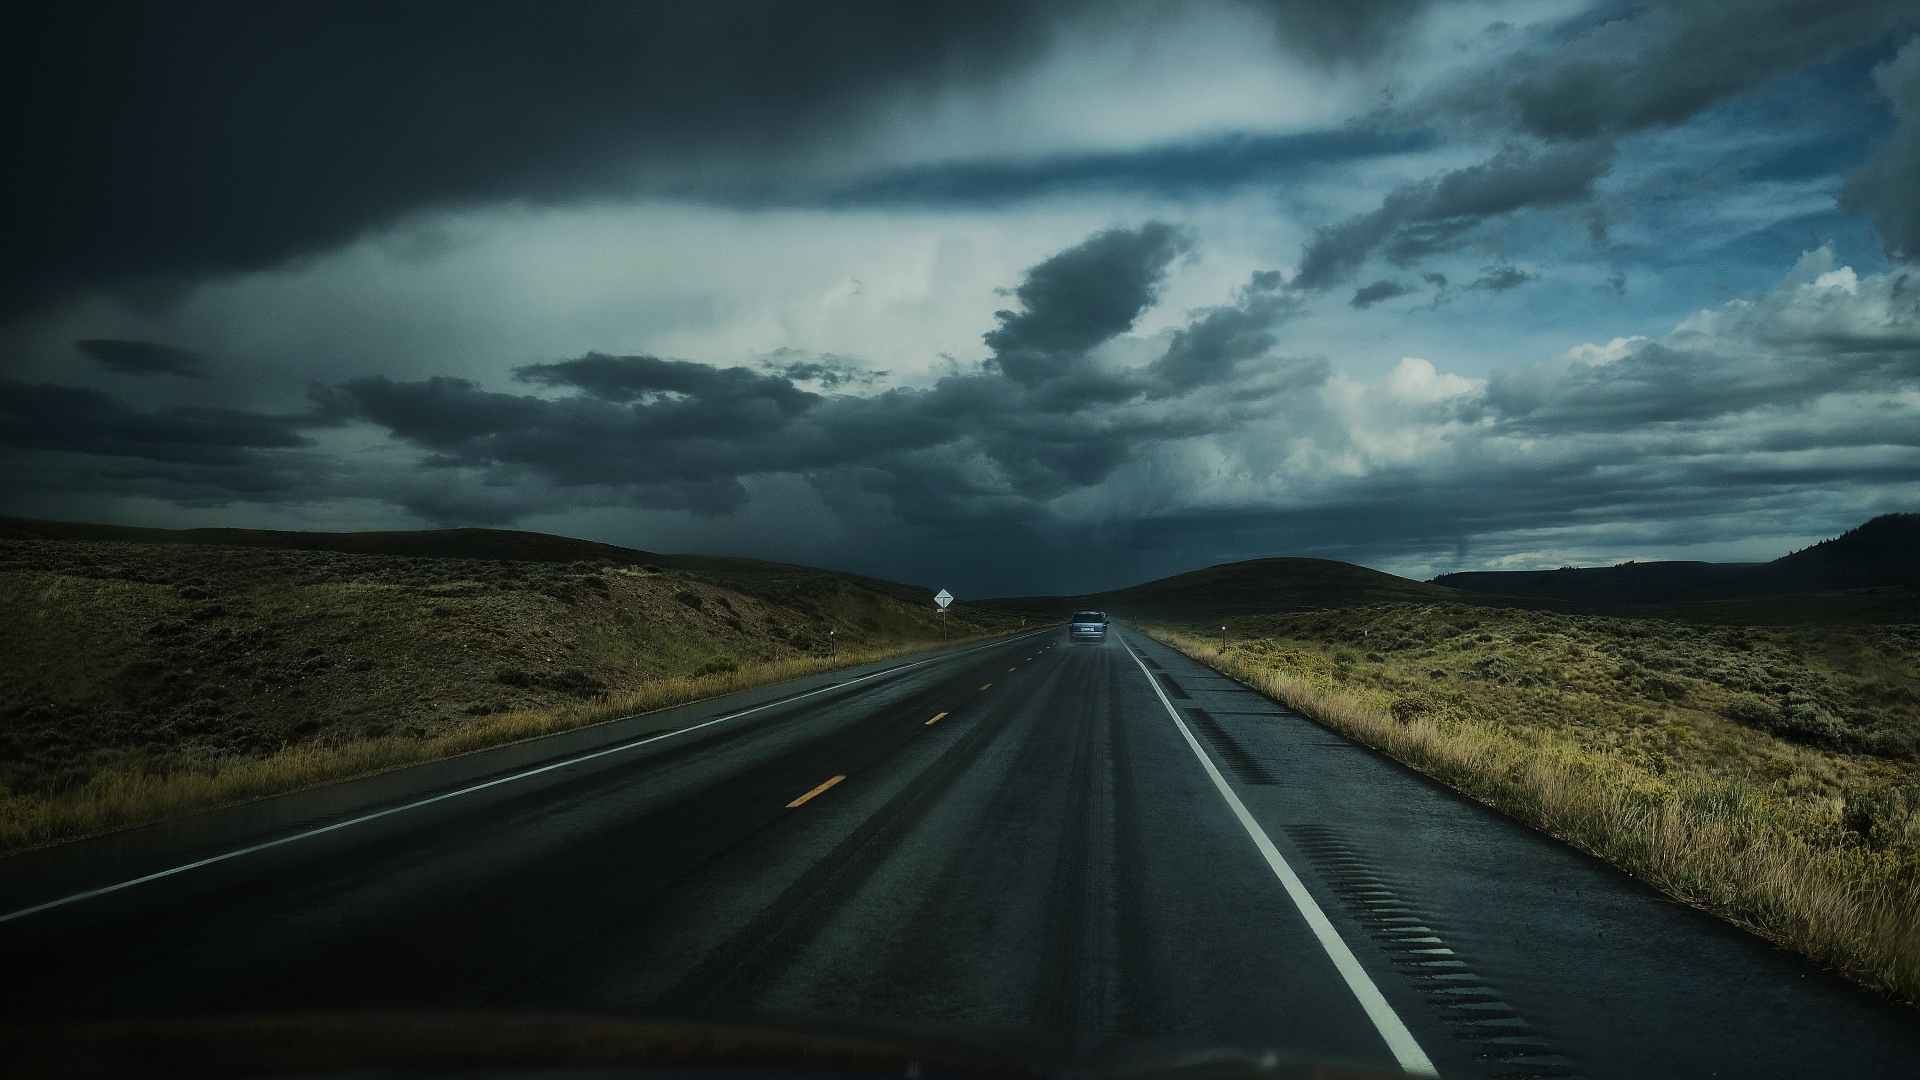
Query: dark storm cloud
(142, 357)
(1216, 165)
(1437, 214)
(169, 142)
(1083, 297)
(184, 139)
(679, 432)
(69, 419)
(1337, 32)
(1040, 419)
(1499, 279)
(1886, 190)
(830, 372)
(1217, 340)
(1581, 87)
(1619, 69)
(625, 379)
(1368, 295)
(63, 441)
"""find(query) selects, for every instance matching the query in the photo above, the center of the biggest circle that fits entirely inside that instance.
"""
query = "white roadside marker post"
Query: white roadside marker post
(941, 600)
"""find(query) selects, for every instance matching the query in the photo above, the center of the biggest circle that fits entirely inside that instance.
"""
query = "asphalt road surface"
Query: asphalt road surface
(1028, 834)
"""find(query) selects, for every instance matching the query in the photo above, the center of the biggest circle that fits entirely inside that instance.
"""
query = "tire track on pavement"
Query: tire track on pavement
(775, 938)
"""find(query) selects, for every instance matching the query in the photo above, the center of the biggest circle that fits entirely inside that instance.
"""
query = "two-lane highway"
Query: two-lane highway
(1028, 834)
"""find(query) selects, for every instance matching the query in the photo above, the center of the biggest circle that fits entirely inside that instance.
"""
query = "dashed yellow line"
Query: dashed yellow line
(984, 687)
(802, 799)
(936, 718)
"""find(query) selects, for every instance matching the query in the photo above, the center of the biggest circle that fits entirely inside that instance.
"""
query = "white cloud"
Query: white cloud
(1415, 382)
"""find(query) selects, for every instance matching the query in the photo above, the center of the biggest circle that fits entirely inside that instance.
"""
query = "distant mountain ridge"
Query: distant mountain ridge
(1866, 576)
(1883, 552)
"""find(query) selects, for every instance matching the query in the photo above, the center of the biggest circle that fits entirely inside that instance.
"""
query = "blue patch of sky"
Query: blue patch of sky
(1687, 256)
(1724, 205)
(1717, 208)
(1757, 260)
(1472, 331)
(1213, 166)
(1819, 122)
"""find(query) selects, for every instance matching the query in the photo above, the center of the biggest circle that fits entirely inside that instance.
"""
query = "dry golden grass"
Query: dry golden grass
(1791, 873)
(118, 799)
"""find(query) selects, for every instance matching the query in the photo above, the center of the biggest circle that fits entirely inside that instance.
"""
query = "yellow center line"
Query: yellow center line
(802, 799)
(984, 687)
(936, 718)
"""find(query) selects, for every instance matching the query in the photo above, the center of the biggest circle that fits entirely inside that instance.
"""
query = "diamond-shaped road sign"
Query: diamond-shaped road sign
(943, 599)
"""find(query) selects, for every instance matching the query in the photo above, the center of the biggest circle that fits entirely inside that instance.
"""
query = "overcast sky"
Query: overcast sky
(1001, 297)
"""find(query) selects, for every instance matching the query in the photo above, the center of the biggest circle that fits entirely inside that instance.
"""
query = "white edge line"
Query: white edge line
(1406, 1050)
(497, 781)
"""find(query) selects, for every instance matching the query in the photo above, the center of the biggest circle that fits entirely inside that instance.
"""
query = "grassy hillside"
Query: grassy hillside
(1884, 606)
(1850, 690)
(157, 660)
(1770, 774)
(493, 544)
(426, 544)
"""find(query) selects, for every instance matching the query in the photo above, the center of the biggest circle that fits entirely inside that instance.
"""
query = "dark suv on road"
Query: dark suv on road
(1088, 626)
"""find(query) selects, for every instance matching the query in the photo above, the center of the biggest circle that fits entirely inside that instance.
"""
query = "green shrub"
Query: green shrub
(1751, 709)
(1880, 814)
(718, 665)
(570, 680)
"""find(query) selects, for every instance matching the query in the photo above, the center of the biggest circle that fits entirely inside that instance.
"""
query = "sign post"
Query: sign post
(941, 600)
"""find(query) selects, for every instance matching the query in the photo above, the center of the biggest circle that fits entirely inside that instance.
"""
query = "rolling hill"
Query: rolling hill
(1259, 586)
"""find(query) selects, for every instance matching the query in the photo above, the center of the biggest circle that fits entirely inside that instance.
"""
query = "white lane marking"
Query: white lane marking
(1406, 1051)
(376, 815)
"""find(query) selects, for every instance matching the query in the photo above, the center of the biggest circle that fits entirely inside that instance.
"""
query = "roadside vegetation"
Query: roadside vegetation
(144, 681)
(1770, 775)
